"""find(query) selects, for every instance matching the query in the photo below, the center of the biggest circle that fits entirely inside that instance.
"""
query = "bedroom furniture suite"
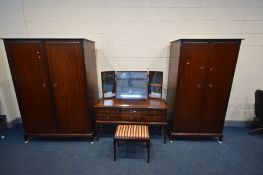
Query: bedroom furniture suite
(56, 85)
(199, 83)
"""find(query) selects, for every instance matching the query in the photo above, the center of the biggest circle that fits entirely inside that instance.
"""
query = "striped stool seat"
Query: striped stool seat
(132, 133)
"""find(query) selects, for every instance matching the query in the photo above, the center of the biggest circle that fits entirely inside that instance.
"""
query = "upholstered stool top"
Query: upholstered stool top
(139, 132)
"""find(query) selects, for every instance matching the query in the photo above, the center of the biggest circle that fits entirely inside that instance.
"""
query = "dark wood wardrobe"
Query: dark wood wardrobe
(199, 83)
(56, 85)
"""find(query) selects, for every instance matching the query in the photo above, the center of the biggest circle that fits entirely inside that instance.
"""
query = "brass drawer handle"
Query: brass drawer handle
(55, 85)
(43, 85)
(132, 111)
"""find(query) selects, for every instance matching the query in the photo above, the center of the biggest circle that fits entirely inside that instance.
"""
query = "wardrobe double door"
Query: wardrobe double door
(205, 74)
(50, 84)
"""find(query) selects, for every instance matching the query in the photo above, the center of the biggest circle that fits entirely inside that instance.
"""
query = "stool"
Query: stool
(138, 133)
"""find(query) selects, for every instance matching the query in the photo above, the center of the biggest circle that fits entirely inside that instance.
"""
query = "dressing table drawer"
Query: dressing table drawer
(153, 118)
(107, 111)
(154, 112)
(105, 117)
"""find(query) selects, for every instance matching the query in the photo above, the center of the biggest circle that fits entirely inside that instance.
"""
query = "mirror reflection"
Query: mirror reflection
(155, 84)
(108, 84)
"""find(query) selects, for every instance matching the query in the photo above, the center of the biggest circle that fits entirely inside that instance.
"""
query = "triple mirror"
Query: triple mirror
(132, 84)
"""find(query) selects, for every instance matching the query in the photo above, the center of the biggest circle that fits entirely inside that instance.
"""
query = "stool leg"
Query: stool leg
(97, 132)
(114, 146)
(164, 133)
(148, 151)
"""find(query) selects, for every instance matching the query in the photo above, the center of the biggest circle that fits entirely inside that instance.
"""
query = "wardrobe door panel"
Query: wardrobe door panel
(29, 73)
(67, 71)
(217, 90)
(188, 103)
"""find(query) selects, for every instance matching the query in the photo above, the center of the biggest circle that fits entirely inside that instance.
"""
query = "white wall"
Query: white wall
(8, 102)
(135, 34)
